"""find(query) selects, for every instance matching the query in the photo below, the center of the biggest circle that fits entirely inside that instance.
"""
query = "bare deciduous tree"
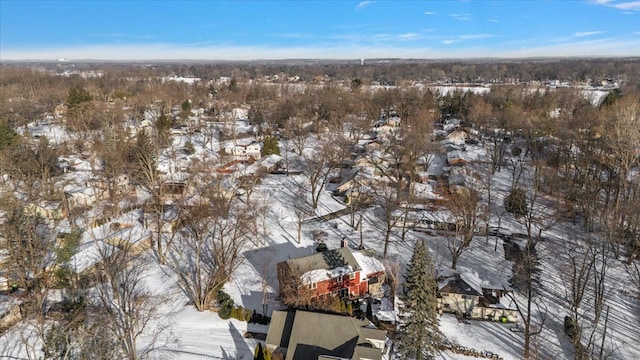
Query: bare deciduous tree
(320, 165)
(533, 312)
(213, 232)
(465, 211)
(302, 212)
(391, 212)
(393, 272)
(128, 308)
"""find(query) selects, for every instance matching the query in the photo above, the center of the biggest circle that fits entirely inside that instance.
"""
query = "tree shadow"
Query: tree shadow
(243, 351)
(264, 261)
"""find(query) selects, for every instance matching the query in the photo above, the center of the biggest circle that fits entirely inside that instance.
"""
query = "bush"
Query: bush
(571, 328)
(224, 298)
(188, 148)
(239, 313)
(225, 312)
(247, 315)
(516, 203)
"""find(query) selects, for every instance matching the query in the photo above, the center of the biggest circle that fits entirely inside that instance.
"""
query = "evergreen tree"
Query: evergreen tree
(270, 146)
(369, 313)
(77, 96)
(8, 136)
(261, 353)
(163, 127)
(419, 335)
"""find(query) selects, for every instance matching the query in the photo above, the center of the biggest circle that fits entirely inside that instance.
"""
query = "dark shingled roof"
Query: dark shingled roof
(315, 334)
(458, 286)
(325, 260)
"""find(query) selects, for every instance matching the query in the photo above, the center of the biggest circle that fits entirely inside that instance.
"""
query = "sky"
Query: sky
(250, 30)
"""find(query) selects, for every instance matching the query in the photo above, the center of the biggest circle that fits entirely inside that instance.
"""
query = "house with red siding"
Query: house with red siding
(340, 272)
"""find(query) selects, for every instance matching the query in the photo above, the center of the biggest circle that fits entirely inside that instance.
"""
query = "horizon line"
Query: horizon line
(533, 57)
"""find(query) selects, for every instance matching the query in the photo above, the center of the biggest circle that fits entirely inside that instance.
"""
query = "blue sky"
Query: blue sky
(241, 30)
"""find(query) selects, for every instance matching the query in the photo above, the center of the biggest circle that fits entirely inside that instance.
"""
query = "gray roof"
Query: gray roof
(316, 334)
(456, 285)
(280, 328)
(325, 260)
(366, 352)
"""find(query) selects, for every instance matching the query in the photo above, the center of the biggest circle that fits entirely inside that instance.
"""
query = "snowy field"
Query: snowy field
(203, 335)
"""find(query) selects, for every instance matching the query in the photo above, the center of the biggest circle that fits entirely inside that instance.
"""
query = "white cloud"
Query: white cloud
(363, 4)
(620, 5)
(429, 13)
(408, 36)
(474, 36)
(380, 37)
(631, 5)
(493, 20)
(449, 41)
(461, 17)
(587, 33)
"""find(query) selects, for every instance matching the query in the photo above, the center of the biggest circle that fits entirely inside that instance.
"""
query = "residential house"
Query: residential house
(458, 136)
(456, 158)
(122, 183)
(175, 184)
(105, 241)
(339, 272)
(464, 294)
(373, 270)
(60, 110)
(240, 113)
(347, 183)
(83, 196)
(423, 218)
(9, 311)
(244, 152)
(53, 210)
(303, 335)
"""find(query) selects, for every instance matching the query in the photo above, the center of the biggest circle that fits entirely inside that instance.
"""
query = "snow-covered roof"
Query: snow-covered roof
(314, 276)
(317, 275)
(89, 254)
(505, 302)
(325, 265)
(473, 279)
(271, 160)
(462, 283)
(369, 265)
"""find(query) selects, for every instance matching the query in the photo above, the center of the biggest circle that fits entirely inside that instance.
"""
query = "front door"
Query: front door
(344, 293)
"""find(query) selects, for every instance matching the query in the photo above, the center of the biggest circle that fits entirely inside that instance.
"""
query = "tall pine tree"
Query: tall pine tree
(419, 335)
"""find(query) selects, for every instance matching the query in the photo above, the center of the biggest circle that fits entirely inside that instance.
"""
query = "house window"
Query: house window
(352, 276)
(314, 285)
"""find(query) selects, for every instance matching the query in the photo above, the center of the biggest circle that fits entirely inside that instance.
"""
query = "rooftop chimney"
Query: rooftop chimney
(344, 243)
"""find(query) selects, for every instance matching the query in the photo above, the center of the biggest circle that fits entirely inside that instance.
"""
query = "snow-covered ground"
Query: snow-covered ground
(190, 334)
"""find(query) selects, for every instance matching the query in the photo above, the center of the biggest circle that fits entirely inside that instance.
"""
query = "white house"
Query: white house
(464, 294)
(244, 152)
(83, 196)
